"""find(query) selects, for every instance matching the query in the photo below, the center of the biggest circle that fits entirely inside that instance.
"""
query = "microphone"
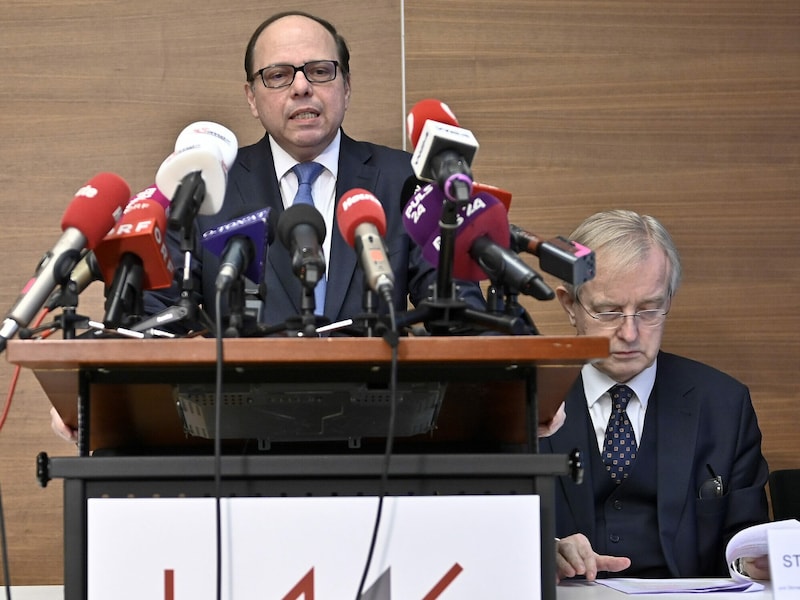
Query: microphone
(302, 231)
(92, 212)
(195, 175)
(506, 268)
(483, 215)
(481, 241)
(140, 232)
(134, 256)
(443, 151)
(242, 247)
(88, 270)
(503, 195)
(425, 110)
(362, 223)
(566, 259)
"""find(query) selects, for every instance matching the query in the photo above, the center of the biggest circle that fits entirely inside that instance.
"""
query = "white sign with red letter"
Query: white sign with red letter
(428, 547)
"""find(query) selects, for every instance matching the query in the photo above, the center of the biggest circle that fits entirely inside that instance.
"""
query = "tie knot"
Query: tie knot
(621, 394)
(307, 172)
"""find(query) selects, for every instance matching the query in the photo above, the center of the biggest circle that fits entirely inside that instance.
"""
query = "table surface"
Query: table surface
(565, 591)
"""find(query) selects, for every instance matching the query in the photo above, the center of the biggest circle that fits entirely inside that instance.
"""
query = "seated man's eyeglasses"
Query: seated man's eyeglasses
(279, 76)
(652, 317)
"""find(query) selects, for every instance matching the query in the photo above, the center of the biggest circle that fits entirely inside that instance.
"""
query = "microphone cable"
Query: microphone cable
(218, 442)
(391, 337)
(6, 570)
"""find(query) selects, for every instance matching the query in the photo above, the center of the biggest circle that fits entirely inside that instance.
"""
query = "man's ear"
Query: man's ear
(567, 303)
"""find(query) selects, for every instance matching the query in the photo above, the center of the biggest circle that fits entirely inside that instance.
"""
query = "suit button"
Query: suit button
(614, 538)
(617, 504)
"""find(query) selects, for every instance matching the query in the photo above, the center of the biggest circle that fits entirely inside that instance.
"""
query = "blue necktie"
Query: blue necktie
(619, 449)
(307, 173)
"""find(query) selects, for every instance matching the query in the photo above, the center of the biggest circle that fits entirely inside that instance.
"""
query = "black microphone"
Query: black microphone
(242, 247)
(302, 231)
(566, 259)
(506, 268)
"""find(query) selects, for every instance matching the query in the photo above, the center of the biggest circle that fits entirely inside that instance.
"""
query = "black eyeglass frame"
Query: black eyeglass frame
(296, 70)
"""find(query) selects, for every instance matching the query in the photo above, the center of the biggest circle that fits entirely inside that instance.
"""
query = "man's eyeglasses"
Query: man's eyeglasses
(278, 76)
(652, 317)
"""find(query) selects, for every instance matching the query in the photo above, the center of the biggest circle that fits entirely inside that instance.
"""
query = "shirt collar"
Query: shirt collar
(329, 158)
(597, 383)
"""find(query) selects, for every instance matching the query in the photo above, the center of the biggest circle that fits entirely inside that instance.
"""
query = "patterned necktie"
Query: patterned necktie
(307, 173)
(619, 449)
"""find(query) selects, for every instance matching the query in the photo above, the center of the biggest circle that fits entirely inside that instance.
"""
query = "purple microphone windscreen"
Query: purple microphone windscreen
(256, 226)
(483, 215)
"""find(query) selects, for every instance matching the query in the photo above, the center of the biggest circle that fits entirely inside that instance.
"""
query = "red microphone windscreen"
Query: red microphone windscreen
(140, 231)
(96, 207)
(429, 109)
(503, 195)
(356, 207)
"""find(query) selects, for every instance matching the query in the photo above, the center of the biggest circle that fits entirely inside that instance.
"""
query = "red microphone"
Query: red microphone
(503, 195)
(92, 212)
(424, 110)
(362, 223)
(443, 151)
(140, 233)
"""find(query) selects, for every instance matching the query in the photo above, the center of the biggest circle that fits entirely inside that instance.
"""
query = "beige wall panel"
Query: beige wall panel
(106, 86)
(689, 111)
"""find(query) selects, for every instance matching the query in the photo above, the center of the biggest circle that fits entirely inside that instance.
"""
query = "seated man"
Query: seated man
(671, 447)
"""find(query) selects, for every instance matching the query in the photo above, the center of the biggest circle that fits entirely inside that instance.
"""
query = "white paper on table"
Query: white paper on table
(671, 586)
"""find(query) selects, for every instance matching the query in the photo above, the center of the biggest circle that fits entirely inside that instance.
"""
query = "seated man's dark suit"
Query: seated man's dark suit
(697, 417)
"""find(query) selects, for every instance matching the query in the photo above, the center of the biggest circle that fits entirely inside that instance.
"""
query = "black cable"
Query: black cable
(392, 340)
(218, 441)
(6, 572)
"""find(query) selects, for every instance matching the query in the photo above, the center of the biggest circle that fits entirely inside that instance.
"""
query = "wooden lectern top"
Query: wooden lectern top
(75, 354)
(141, 411)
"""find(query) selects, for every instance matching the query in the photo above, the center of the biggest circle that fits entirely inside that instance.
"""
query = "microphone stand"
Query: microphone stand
(236, 308)
(68, 320)
(308, 320)
(504, 300)
(185, 205)
(124, 298)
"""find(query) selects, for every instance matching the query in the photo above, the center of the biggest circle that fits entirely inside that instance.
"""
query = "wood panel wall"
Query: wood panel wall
(689, 111)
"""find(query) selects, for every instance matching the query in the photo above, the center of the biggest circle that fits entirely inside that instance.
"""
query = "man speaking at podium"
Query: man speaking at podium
(297, 70)
(671, 447)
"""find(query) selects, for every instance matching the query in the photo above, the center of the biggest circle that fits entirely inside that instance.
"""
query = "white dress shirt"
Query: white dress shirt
(323, 190)
(596, 385)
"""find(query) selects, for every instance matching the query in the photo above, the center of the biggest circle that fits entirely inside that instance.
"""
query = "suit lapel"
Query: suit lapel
(353, 173)
(265, 191)
(677, 419)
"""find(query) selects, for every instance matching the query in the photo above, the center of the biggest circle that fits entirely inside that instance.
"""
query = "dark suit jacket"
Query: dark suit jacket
(252, 185)
(704, 417)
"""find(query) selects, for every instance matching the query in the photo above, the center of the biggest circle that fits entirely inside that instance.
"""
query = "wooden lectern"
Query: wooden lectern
(120, 393)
